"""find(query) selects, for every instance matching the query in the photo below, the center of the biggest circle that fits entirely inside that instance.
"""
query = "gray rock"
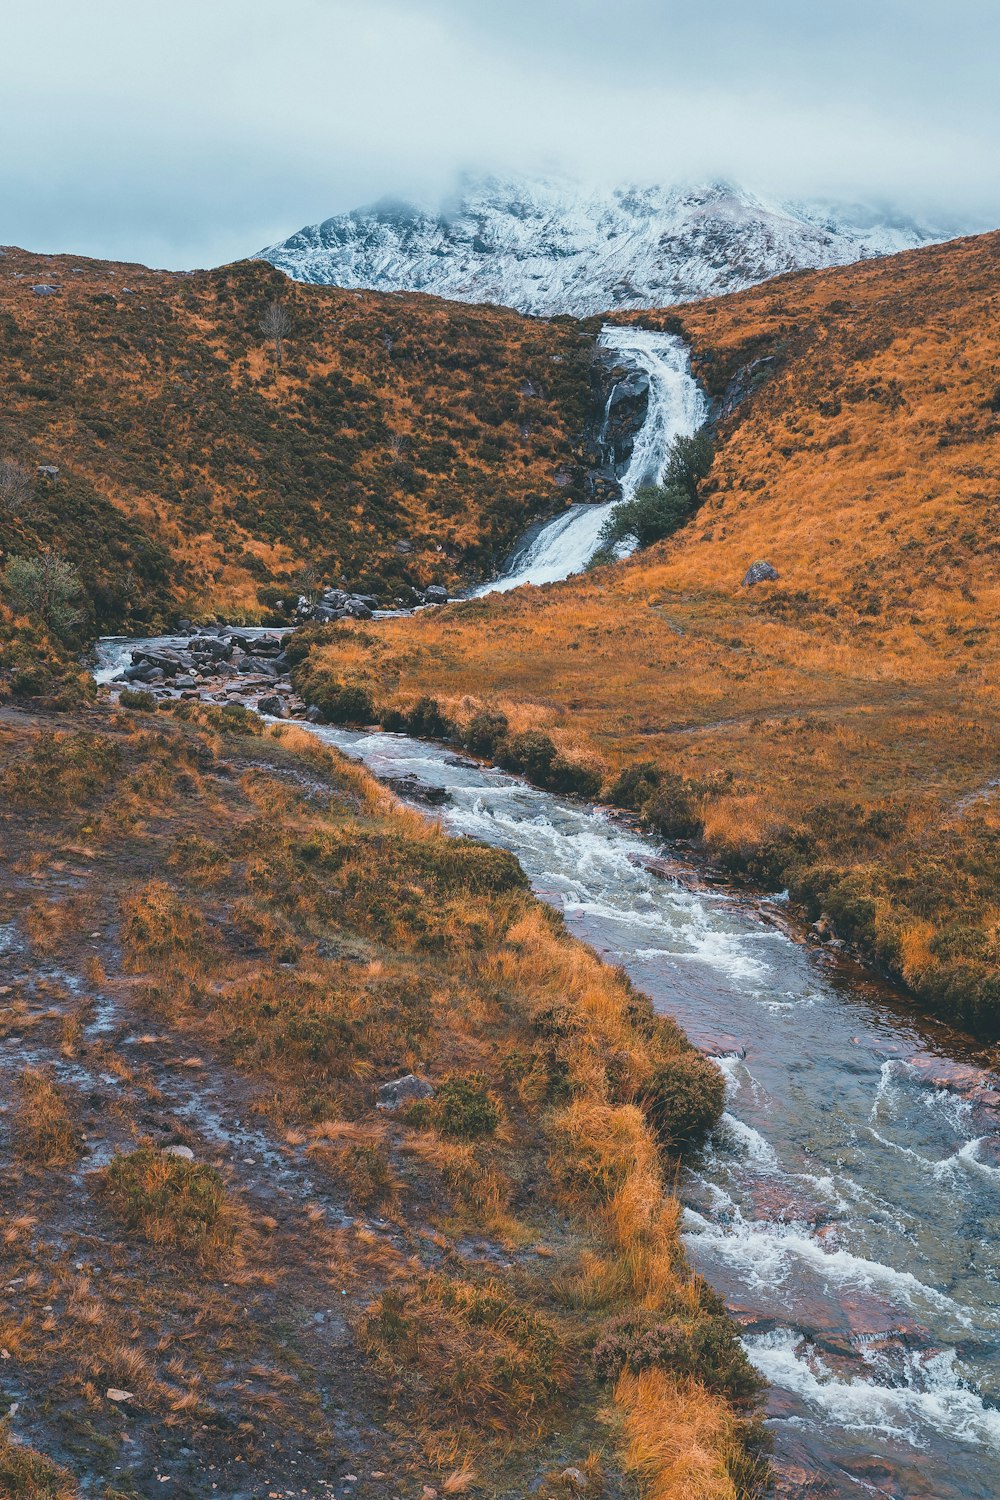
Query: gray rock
(760, 572)
(183, 1152)
(356, 610)
(274, 706)
(210, 645)
(403, 1091)
(44, 290)
(314, 715)
(436, 594)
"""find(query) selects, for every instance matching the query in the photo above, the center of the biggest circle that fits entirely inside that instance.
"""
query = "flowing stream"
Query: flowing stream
(848, 1204)
(676, 408)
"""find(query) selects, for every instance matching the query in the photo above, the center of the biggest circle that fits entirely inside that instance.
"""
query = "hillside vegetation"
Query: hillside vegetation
(402, 441)
(225, 1270)
(836, 730)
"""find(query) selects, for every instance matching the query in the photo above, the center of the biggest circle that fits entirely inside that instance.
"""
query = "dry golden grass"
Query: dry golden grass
(836, 730)
(350, 941)
(405, 438)
(44, 1131)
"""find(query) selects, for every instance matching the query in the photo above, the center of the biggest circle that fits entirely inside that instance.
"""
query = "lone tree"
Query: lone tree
(276, 324)
(47, 588)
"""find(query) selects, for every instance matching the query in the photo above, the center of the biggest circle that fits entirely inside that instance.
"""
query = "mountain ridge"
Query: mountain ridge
(546, 247)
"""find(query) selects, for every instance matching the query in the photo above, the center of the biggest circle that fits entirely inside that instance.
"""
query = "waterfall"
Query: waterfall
(677, 408)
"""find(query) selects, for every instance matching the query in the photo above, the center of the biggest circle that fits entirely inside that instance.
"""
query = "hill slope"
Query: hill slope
(548, 247)
(836, 730)
(403, 440)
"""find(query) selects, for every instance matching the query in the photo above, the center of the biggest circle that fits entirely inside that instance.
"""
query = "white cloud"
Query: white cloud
(193, 132)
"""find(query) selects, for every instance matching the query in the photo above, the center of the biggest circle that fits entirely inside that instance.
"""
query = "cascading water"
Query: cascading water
(676, 409)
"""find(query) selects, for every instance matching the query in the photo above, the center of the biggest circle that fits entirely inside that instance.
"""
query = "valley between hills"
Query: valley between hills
(334, 1160)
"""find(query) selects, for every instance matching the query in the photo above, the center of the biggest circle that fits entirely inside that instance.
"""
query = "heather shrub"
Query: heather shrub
(671, 808)
(634, 785)
(484, 732)
(707, 1350)
(684, 1099)
(169, 1200)
(463, 1108)
(135, 698)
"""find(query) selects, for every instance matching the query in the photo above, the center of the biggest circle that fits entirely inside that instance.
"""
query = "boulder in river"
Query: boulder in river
(273, 705)
(436, 593)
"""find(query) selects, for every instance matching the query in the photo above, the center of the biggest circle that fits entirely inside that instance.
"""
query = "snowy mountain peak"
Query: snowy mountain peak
(545, 246)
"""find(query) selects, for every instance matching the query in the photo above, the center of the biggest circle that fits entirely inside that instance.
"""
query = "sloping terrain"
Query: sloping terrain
(554, 247)
(402, 441)
(835, 730)
(224, 1269)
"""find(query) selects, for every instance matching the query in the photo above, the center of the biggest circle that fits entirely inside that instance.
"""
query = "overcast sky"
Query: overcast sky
(190, 132)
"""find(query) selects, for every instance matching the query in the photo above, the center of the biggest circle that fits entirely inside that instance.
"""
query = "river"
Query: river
(848, 1204)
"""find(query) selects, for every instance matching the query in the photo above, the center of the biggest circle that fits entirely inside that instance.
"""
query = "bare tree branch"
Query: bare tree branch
(276, 324)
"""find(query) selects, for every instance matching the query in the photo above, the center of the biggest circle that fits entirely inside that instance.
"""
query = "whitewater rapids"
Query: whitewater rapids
(677, 408)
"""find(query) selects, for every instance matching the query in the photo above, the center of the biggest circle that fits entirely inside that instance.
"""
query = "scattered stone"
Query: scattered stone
(314, 715)
(273, 706)
(402, 1091)
(114, 1394)
(48, 471)
(184, 1152)
(45, 290)
(436, 594)
(759, 572)
(574, 1479)
(420, 791)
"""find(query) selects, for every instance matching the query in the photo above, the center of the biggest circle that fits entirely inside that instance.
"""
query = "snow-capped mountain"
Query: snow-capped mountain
(547, 247)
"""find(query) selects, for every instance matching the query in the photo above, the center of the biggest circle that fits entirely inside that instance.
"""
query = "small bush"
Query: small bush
(462, 1108)
(347, 705)
(634, 785)
(671, 809)
(573, 778)
(684, 1099)
(135, 698)
(530, 753)
(484, 732)
(707, 1349)
(168, 1200)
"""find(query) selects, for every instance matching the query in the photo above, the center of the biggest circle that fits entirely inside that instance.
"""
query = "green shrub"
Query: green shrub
(707, 1349)
(671, 809)
(484, 732)
(634, 785)
(167, 1199)
(135, 698)
(462, 1108)
(684, 1099)
(573, 778)
(530, 753)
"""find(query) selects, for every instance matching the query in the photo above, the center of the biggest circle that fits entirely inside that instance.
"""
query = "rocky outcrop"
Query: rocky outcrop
(619, 402)
(759, 572)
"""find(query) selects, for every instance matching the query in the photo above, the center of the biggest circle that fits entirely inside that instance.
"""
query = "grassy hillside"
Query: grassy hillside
(403, 440)
(225, 1270)
(835, 730)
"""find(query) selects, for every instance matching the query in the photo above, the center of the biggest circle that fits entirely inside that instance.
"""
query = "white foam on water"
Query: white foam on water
(676, 408)
(935, 1400)
(768, 1253)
